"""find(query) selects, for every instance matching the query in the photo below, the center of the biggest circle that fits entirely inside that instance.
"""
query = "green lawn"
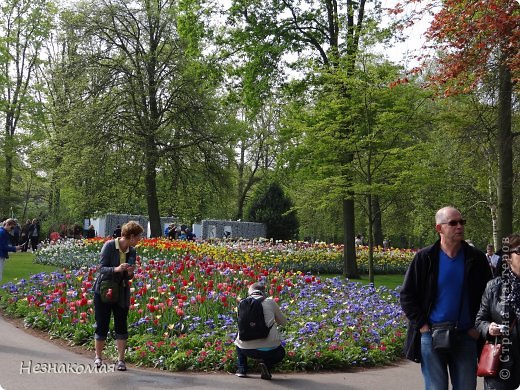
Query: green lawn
(20, 266)
(390, 281)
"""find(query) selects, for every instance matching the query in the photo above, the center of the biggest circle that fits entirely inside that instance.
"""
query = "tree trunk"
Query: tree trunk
(493, 212)
(378, 226)
(151, 190)
(353, 32)
(8, 179)
(27, 196)
(54, 196)
(349, 251)
(241, 184)
(8, 156)
(505, 157)
(370, 206)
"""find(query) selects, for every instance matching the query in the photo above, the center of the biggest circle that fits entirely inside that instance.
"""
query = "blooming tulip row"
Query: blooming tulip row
(313, 258)
(183, 307)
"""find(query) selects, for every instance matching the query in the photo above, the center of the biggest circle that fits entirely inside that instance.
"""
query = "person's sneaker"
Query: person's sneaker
(265, 373)
(241, 374)
(121, 366)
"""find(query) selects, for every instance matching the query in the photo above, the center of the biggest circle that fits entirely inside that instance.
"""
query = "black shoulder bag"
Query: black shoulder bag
(443, 333)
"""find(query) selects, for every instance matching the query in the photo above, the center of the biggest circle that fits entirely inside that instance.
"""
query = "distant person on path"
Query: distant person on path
(500, 262)
(359, 240)
(117, 232)
(34, 234)
(91, 232)
(5, 243)
(492, 259)
(190, 236)
(500, 307)
(77, 231)
(118, 258)
(63, 230)
(268, 350)
(444, 283)
(25, 235)
(15, 234)
(172, 232)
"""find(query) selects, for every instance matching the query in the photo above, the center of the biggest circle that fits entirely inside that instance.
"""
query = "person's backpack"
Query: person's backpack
(251, 321)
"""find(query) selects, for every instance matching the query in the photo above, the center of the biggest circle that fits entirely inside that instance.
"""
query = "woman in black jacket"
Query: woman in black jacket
(498, 317)
(118, 258)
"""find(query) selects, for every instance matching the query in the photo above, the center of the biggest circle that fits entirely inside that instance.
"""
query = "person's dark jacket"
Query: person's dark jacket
(90, 233)
(116, 233)
(109, 261)
(15, 235)
(34, 227)
(493, 309)
(420, 289)
(25, 231)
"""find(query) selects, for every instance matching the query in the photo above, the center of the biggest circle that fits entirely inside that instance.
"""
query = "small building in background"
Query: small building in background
(106, 224)
(214, 228)
(208, 229)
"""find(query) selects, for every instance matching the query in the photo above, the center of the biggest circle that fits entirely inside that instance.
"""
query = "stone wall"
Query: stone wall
(106, 224)
(214, 228)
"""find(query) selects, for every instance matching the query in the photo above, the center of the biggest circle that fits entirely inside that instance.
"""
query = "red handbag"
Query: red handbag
(489, 362)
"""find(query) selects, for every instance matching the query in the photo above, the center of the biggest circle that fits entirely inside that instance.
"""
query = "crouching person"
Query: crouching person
(258, 335)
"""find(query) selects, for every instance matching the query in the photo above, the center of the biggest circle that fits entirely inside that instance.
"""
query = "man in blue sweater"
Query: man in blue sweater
(5, 243)
(444, 284)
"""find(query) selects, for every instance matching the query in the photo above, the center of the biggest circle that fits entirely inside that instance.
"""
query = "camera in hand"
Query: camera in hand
(503, 329)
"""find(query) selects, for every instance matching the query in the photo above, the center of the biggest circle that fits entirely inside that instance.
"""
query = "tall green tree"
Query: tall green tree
(148, 58)
(257, 148)
(326, 36)
(474, 39)
(274, 208)
(24, 27)
(388, 124)
(62, 78)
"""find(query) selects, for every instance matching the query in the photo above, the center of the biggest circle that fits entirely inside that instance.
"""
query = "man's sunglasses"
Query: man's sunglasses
(516, 250)
(462, 222)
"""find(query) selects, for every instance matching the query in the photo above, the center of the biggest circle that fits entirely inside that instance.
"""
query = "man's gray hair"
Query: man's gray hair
(440, 216)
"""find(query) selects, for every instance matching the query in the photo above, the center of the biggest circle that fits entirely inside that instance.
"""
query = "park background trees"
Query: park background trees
(191, 108)
(24, 29)
(478, 44)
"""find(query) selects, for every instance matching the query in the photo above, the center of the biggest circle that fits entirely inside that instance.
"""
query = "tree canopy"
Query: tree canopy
(194, 109)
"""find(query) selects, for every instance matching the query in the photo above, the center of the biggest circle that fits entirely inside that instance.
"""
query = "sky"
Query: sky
(405, 52)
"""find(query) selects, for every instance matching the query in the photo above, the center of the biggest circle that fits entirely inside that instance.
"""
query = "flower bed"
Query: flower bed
(183, 309)
(296, 256)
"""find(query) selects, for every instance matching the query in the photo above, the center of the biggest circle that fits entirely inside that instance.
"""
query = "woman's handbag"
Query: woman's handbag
(109, 291)
(489, 362)
(442, 335)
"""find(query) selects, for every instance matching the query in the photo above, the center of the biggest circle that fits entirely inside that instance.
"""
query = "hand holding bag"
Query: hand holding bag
(442, 335)
(489, 362)
(109, 291)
